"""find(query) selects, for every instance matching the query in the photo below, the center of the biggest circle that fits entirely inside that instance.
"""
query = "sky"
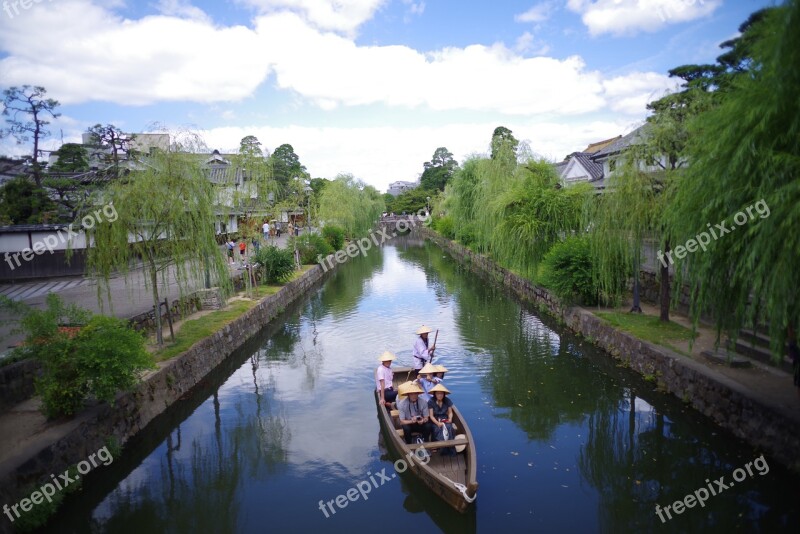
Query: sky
(365, 87)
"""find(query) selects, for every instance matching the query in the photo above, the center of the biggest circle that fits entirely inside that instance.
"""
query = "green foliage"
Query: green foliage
(445, 226)
(350, 204)
(276, 264)
(410, 201)
(568, 270)
(334, 235)
(22, 202)
(504, 145)
(310, 247)
(647, 327)
(95, 360)
(438, 170)
(744, 151)
(286, 165)
(72, 157)
(165, 218)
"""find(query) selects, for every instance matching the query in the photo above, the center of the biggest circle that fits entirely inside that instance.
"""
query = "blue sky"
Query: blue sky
(368, 87)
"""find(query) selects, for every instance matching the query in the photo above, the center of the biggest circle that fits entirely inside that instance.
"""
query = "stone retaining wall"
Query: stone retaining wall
(16, 382)
(132, 411)
(767, 427)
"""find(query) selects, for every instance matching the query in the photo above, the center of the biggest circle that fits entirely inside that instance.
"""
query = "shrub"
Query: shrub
(445, 226)
(276, 264)
(311, 246)
(334, 235)
(97, 360)
(568, 270)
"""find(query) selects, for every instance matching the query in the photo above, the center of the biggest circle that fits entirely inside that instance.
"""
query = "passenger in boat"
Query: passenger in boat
(413, 413)
(422, 354)
(384, 377)
(440, 411)
(426, 381)
(438, 377)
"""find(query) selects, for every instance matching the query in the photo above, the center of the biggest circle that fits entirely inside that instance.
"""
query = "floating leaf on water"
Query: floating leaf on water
(520, 405)
(530, 464)
(515, 453)
(563, 486)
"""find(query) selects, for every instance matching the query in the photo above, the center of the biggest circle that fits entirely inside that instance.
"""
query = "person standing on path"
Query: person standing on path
(243, 250)
(265, 229)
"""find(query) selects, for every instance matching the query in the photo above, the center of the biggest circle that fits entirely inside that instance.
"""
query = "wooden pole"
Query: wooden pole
(435, 337)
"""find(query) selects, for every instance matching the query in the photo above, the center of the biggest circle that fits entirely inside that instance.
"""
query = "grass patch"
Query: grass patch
(647, 327)
(194, 330)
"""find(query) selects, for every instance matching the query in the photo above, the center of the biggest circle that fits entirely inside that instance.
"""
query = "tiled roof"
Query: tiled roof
(594, 169)
(622, 143)
(594, 147)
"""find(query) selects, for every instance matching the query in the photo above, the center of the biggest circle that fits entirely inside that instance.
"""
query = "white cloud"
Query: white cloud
(538, 13)
(628, 17)
(182, 9)
(415, 8)
(338, 15)
(527, 43)
(631, 93)
(101, 56)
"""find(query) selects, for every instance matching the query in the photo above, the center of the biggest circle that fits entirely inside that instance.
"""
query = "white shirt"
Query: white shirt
(420, 351)
(383, 373)
(265, 228)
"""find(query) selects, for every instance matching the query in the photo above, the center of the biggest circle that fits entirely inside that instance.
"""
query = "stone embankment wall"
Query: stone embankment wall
(773, 429)
(16, 382)
(132, 411)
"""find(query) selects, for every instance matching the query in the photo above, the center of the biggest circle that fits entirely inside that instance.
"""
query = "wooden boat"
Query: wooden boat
(453, 478)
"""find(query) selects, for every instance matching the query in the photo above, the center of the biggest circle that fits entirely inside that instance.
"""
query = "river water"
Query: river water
(567, 441)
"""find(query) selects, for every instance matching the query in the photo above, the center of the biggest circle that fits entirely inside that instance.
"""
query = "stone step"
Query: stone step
(731, 359)
(757, 337)
(761, 354)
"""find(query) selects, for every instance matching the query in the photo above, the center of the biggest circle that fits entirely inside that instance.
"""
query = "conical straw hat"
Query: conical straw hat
(428, 369)
(387, 356)
(440, 368)
(438, 387)
(424, 330)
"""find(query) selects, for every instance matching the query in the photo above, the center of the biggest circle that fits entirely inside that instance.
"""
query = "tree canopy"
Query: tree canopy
(438, 170)
(286, 165)
(351, 204)
(27, 110)
(23, 202)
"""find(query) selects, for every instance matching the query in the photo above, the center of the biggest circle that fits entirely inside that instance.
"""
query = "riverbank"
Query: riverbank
(757, 404)
(52, 447)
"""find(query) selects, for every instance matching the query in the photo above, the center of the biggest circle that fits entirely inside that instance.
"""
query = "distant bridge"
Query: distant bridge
(401, 223)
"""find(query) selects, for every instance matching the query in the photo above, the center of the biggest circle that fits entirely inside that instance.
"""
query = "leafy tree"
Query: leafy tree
(569, 270)
(112, 139)
(411, 201)
(438, 170)
(256, 194)
(21, 102)
(318, 184)
(276, 264)
(165, 218)
(286, 165)
(22, 202)
(351, 204)
(504, 144)
(388, 199)
(334, 235)
(744, 153)
(72, 157)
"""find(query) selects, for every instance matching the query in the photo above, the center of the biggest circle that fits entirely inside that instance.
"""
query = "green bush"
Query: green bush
(568, 270)
(334, 235)
(276, 264)
(467, 235)
(78, 362)
(445, 226)
(311, 246)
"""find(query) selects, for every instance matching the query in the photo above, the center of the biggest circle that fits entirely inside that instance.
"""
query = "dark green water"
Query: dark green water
(567, 442)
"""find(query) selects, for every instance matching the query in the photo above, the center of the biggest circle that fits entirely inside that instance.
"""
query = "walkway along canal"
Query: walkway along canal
(567, 441)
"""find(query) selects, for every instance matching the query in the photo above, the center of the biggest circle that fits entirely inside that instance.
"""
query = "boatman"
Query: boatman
(422, 354)
(383, 379)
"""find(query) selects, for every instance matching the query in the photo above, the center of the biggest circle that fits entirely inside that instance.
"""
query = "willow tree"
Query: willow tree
(746, 151)
(351, 204)
(533, 213)
(165, 219)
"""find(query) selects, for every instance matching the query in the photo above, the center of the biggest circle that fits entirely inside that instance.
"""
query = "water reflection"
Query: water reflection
(566, 440)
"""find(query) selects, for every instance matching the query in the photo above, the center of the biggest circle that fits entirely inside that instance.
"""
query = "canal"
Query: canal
(567, 441)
